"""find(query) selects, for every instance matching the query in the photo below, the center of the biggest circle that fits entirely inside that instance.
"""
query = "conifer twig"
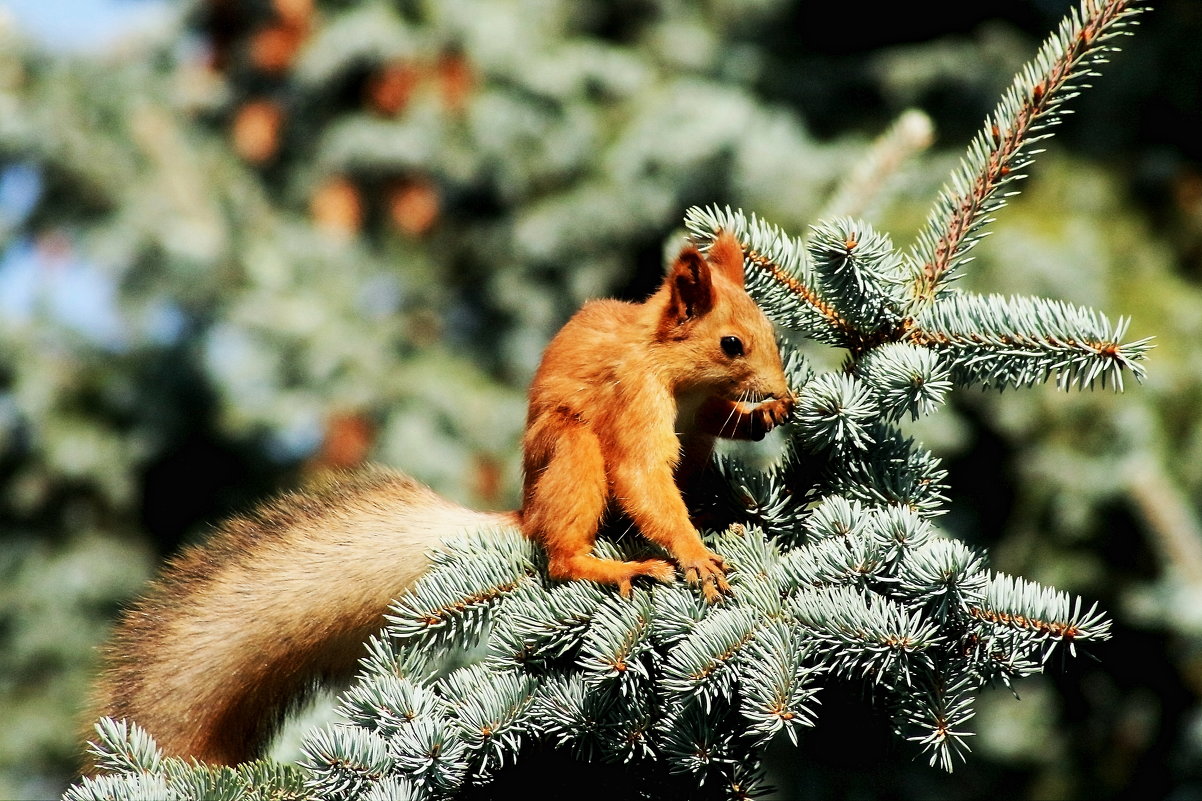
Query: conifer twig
(1003, 148)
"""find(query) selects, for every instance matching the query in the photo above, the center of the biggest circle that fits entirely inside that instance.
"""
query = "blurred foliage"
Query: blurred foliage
(294, 234)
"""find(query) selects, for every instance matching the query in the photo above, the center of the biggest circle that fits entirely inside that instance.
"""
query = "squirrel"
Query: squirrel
(624, 410)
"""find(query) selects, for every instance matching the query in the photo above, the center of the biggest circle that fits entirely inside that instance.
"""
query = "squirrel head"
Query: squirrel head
(713, 335)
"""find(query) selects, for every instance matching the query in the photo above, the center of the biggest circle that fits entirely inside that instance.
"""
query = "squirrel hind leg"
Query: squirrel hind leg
(609, 571)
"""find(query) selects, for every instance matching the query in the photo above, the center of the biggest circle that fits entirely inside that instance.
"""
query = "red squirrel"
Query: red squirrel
(624, 410)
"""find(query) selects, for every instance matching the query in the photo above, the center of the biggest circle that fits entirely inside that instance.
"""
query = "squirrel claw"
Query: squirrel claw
(776, 411)
(709, 574)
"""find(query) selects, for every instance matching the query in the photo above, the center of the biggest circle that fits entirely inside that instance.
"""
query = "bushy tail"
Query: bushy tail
(238, 630)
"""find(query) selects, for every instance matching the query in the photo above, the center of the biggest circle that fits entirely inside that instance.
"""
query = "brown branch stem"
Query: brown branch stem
(1007, 145)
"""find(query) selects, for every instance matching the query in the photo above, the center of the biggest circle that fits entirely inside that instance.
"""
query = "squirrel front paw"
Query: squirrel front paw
(766, 415)
(774, 412)
(707, 571)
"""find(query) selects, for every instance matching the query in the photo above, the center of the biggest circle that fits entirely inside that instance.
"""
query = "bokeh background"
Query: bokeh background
(243, 241)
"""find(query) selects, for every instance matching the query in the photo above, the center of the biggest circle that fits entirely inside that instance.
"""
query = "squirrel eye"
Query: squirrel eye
(732, 346)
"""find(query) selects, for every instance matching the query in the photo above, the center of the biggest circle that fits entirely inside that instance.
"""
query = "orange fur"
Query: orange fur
(628, 393)
(626, 403)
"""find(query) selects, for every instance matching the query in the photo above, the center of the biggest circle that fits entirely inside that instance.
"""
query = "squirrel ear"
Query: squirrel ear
(726, 257)
(690, 287)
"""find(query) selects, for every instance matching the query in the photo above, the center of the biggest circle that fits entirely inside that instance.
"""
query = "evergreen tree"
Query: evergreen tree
(840, 573)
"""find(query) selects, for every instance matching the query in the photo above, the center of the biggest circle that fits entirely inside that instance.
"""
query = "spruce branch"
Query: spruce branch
(836, 411)
(450, 602)
(694, 741)
(820, 289)
(701, 666)
(907, 379)
(492, 709)
(993, 341)
(899, 530)
(764, 498)
(1005, 146)
(140, 772)
(837, 517)
(862, 273)
(750, 551)
(387, 656)
(938, 722)
(220, 783)
(134, 787)
(765, 596)
(895, 472)
(573, 715)
(344, 761)
(541, 626)
(778, 677)
(393, 788)
(612, 651)
(853, 561)
(865, 635)
(993, 654)
(430, 754)
(811, 295)
(627, 733)
(124, 747)
(1049, 615)
(675, 612)
(374, 705)
(945, 575)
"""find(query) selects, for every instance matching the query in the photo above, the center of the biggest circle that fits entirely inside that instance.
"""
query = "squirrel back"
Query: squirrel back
(236, 632)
